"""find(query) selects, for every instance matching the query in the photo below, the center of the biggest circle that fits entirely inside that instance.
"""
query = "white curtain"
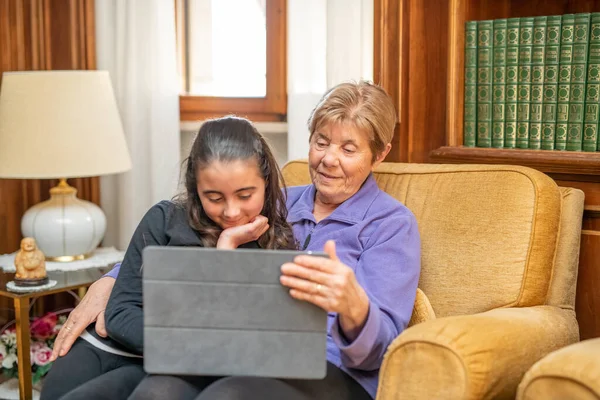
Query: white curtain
(329, 41)
(135, 42)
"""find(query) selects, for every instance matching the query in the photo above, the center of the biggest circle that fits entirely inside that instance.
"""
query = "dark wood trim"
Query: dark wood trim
(390, 65)
(591, 212)
(386, 47)
(272, 107)
(558, 162)
(455, 81)
(276, 56)
(194, 108)
(252, 116)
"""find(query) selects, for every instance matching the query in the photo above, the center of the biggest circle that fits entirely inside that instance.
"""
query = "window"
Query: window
(232, 58)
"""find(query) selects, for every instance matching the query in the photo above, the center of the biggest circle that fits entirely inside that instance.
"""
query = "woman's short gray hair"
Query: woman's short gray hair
(363, 104)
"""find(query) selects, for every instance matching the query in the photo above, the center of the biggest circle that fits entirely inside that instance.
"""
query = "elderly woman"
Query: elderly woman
(367, 285)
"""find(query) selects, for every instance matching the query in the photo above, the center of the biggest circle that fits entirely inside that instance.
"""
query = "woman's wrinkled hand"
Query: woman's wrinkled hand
(329, 284)
(90, 309)
(232, 238)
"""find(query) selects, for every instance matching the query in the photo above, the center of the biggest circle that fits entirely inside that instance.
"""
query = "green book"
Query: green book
(484, 83)
(537, 82)
(551, 63)
(564, 80)
(524, 89)
(592, 98)
(470, 118)
(512, 83)
(499, 83)
(578, 80)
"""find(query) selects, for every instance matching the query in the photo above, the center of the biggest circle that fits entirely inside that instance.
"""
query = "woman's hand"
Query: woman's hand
(331, 285)
(90, 309)
(232, 238)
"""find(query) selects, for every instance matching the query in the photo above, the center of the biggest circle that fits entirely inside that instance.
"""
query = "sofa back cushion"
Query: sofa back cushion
(488, 233)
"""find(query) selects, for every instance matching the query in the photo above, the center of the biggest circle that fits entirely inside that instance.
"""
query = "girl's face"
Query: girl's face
(231, 193)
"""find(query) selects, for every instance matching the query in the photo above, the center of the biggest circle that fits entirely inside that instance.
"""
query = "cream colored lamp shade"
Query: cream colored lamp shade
(61, 124)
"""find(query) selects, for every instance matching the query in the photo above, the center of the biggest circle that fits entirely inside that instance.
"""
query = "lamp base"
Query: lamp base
(64, 227)
(69, 258)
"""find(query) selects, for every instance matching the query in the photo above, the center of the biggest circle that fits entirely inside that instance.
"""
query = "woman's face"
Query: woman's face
(340, 160)
(231, 193)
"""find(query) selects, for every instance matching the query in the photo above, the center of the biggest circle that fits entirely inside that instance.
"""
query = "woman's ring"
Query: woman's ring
(318, 288)
(68, 328)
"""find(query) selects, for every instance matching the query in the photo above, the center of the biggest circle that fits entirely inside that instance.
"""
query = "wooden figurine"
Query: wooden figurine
(30, 263)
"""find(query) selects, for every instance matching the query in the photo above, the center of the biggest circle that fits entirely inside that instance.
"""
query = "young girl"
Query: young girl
(232, 199)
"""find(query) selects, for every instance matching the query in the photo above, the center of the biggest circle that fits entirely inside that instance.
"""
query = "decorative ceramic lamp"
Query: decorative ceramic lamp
(61, 124)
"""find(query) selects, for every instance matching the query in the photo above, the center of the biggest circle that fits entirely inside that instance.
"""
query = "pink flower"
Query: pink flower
(43, 328)
(41, 356)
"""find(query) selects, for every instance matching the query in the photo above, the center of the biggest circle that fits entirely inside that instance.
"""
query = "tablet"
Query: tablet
(224, 312)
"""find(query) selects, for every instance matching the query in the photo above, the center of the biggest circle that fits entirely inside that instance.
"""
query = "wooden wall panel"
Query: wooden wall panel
(588, 286)
(410, 62)
(419, 60)
(41, 35)
(388, 65)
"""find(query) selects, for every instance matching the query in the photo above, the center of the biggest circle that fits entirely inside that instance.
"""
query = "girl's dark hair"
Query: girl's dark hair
(230, 139)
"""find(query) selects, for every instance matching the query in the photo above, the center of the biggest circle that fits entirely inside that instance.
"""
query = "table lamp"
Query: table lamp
(61, 124)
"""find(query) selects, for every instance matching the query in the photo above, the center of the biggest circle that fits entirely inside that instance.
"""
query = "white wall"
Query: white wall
(329, 42)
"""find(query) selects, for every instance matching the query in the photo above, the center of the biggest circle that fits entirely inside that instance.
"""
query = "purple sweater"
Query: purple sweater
(378, 238)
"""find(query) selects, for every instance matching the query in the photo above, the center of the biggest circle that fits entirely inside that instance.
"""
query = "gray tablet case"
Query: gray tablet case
(224, 312)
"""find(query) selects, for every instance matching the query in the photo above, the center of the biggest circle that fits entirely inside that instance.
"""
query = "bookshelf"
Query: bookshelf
(568, 168)
(461, 11)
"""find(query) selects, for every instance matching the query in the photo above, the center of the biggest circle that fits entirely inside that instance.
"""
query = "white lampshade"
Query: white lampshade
(61, 124)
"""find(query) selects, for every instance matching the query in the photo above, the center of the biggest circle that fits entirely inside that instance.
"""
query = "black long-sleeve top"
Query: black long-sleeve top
(165, 224)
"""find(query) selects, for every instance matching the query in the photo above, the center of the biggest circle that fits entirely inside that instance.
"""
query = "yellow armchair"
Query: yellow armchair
(500, 247)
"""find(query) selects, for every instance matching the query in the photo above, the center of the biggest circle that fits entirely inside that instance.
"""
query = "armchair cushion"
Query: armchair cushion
(569, 373)
(422, 310)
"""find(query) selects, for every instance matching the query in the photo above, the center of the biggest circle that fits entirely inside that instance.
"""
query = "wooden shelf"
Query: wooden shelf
(551, 162)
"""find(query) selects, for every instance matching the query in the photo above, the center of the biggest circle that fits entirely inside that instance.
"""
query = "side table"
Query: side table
(66, 281)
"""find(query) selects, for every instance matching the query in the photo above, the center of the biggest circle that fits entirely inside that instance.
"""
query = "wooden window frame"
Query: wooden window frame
(272, 107)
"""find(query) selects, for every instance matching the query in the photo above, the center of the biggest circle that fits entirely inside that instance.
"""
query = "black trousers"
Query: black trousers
(337, 385)
(86, 372)
(89, 373)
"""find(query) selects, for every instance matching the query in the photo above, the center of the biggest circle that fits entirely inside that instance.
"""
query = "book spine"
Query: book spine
(524, 89)
(578, 80)
(470, 118)
(537, 81)
(484, 83)
(499, 83)
(512, 76)
(551, 62)
(564, 80)
(592, 97)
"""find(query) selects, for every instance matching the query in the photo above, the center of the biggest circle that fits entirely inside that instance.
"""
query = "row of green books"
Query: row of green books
(533, 83)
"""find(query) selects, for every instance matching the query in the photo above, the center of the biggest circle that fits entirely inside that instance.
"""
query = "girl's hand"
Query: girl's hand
(331, 285)
(235, 236)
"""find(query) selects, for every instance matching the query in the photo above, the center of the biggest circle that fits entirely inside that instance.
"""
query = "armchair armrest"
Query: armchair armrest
(569, 373)
(479, 356)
